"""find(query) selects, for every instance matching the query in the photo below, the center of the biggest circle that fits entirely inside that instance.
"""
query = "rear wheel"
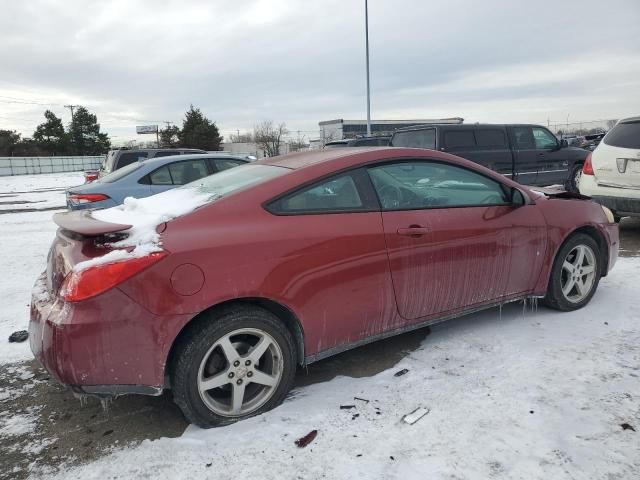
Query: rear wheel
(575, 274)
(236, 364)
(573, 180)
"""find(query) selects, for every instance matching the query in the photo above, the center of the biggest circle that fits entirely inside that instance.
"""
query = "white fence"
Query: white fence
(36, 165)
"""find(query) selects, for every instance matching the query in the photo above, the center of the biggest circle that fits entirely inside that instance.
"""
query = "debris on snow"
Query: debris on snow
(19, 336)
(401, 372)
(361, 399)
(307, 439)
(416, 415)
(347, 407)
(626, 426)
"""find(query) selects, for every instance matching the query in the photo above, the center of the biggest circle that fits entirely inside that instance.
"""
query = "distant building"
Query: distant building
(340, 129)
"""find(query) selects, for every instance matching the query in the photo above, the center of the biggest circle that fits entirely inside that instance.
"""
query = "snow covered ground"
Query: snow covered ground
(533, 394)
(25, 238)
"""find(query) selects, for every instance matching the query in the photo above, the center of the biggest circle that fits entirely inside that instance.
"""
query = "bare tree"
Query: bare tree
(241, 138)
(268, 137)
(611, 124)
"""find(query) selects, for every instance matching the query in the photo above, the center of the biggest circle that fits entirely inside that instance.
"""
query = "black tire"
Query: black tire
(198, 340)
(572, 183)
(555, 298)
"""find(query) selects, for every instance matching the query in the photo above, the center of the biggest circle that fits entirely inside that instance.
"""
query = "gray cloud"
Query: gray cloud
(301, 62)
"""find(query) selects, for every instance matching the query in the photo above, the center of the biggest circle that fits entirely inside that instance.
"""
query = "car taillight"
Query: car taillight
(90, 177)
(97, 279)
(80, 198)
(587, 169)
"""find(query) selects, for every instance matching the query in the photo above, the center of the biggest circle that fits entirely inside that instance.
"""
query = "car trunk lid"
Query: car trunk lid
(616, 166)
(79, 238)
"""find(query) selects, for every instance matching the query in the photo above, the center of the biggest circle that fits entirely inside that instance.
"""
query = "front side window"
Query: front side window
(544, 139)
(188, 171)
(418, 185)
(523, 138)
(337, 194)
(415, 139)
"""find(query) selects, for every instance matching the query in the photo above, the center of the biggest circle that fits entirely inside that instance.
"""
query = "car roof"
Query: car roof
(299, 160)
(461, 126)
(191, 156)
(168, 149)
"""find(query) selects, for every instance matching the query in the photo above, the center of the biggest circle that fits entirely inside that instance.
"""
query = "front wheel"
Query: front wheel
(235, 364)
(575, 274)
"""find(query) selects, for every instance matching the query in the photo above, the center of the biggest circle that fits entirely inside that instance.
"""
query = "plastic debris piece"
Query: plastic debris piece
(416, 415)
(19, 336)
(399, 373)
(626, 426)
(347, 407)
(307, 439)
(361, 399)
(355, 415)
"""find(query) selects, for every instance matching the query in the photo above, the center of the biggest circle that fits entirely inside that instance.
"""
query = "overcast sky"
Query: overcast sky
(242, 61)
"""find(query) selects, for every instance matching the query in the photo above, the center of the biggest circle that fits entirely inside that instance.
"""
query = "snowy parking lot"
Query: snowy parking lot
(518, 392)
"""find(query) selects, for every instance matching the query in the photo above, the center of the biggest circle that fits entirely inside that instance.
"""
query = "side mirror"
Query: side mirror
(517, 199)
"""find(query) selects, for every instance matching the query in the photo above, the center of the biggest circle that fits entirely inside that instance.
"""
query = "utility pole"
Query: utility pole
(366, 31)
(71, 107)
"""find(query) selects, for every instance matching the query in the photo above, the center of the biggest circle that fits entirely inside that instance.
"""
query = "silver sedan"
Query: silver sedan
(146, 178)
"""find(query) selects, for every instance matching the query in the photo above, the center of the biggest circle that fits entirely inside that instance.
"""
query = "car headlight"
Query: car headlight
(608, 213)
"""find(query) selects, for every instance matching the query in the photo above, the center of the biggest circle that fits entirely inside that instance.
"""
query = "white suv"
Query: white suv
(611, 173)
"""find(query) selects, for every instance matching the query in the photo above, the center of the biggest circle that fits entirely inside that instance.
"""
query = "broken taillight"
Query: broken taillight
(97, 279)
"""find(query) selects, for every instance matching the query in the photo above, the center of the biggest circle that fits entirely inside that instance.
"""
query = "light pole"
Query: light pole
(366, 32)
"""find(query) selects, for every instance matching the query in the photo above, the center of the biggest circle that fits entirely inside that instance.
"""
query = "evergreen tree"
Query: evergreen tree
(50, 136)
(86, 137)
(199, 132)
(169, 137)
(9, 139)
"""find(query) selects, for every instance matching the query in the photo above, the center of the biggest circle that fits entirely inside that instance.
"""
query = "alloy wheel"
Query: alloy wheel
(578, 273)
(240, 372)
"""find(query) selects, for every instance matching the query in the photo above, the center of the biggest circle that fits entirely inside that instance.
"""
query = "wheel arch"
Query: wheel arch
(282, 312)
(597, 236)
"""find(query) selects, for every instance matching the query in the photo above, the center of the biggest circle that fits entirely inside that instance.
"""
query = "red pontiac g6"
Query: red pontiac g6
(296, 258)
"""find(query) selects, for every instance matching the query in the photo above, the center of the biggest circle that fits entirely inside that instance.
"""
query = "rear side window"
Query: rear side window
(490, 138)
(337, 194)
(624, 135)
(188, 171)
(161, 177)
(130, 157)
(459, 139)
(415, 139)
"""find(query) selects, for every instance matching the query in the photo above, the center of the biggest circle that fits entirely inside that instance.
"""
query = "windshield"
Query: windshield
(234, 179)
(118, 174)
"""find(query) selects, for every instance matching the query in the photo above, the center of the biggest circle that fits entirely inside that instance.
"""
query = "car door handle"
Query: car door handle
(413, 231)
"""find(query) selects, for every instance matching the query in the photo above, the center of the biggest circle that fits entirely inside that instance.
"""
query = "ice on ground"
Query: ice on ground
(538, 397)
(17, 425)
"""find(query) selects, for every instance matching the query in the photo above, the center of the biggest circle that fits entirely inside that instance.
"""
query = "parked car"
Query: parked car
(142, 179)
(292, 259)
(380, 141)
(121, 157)
(529, 154)
(611, 174)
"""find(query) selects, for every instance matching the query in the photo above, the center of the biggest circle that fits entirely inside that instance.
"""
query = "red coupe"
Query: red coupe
(256, 270)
